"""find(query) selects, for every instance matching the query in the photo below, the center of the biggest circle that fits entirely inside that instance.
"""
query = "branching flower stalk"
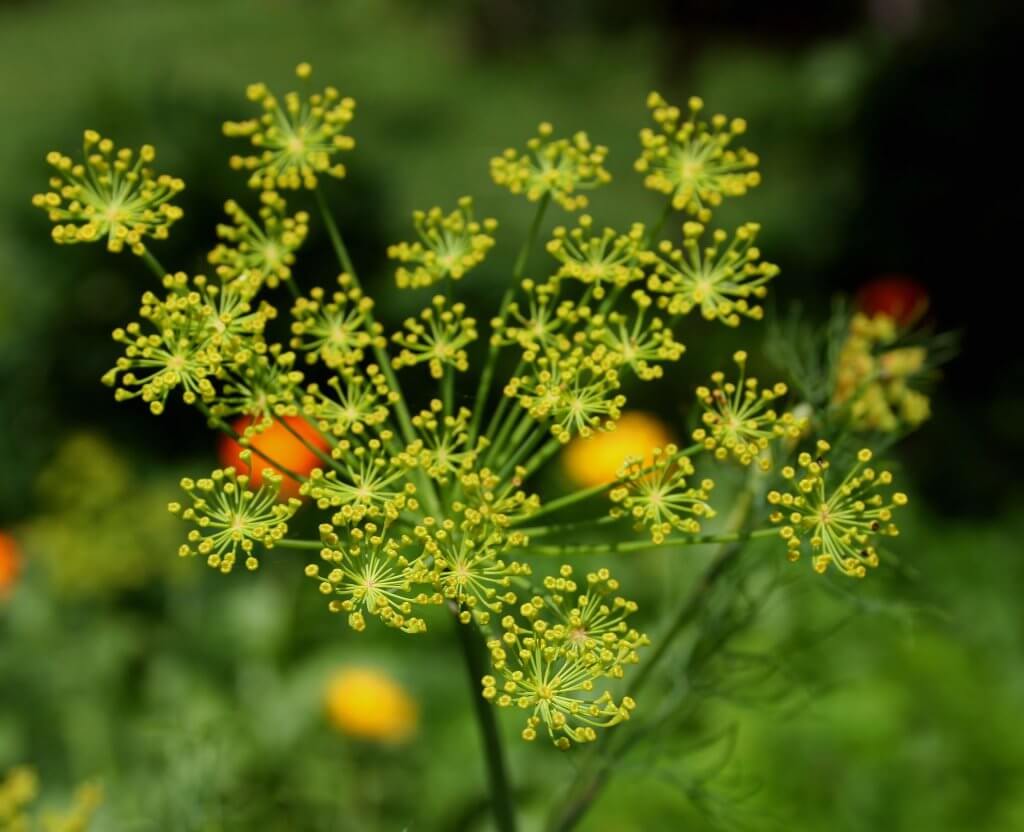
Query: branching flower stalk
(430, 503)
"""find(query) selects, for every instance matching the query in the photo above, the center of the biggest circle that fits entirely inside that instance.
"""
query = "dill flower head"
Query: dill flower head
(338, 330)
(575, 392)
(10, 564)
(550, 665)
(369, 568)
(659, 497)
(738, 418)
(261, 386)
(264, 248)
(641, 342)
(231, 518)
(442, 448)
(874, 378)
(599, 459)
(468, 567)
(724, 282)
(112, 195)
(691, 159)
(840, 525)
(354, 401)
(368, 704)
(296, 140)
(438, 338)
(556, 167)
(194, 335)
(605, 259)
(449, 245)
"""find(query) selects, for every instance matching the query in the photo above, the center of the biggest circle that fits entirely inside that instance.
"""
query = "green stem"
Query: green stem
(154, 265)
(299, 544)
(497, 773)
(640, 545)
(551, 447)
(559, 528)
(666, 212)
(492, 356)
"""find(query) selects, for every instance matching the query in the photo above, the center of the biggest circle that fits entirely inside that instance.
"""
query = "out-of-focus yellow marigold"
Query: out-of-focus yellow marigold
(597, 460)
(368, 704)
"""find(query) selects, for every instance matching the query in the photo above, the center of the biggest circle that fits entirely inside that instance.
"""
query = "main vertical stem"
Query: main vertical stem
(497, 772)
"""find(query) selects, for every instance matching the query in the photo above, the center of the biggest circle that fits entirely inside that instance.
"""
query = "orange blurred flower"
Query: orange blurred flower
(281, 445)
(10, 563)
(597, 459)
(368, 704)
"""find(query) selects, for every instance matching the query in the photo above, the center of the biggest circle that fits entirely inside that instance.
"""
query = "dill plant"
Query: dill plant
(431, 504)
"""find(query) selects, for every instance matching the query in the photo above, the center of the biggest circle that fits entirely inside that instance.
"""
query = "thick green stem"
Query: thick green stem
(470, 640)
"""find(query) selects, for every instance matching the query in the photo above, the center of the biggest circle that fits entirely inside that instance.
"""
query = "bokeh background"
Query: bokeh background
(198, 702)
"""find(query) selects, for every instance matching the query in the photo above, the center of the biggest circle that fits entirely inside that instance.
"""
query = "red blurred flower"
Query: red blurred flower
(897, 296)
(277, 442)
(10, 564)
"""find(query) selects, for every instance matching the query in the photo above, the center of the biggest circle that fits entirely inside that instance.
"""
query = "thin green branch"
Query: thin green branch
(486, 378)
(641, 545)
(380, 353)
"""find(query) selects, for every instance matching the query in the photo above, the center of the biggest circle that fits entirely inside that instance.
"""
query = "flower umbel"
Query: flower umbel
(690, 159)
(296, 141)
(840, 525)
(449, 245)
(738, 418)
(723, 283)
(265, 248)
(112, 195)
(438, 337)
(607, 259)
(551, 666)
(659, 497)
(559, 167)
(232, 518)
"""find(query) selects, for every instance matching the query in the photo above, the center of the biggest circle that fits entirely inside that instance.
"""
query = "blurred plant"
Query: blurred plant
(368, 704)
(10, 564)
(430, 506)
(99, 533)
(19, 789)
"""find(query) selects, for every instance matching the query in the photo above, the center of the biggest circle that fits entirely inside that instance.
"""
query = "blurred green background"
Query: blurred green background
(891, 704)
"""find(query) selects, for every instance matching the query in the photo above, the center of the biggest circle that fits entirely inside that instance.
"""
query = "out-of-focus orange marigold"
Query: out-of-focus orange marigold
(366, 703)
(10, 563)
(597, 459)
(278, 443)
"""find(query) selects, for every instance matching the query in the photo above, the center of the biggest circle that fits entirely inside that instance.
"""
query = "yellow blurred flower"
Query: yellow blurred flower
(367, 703)
(597, 459)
